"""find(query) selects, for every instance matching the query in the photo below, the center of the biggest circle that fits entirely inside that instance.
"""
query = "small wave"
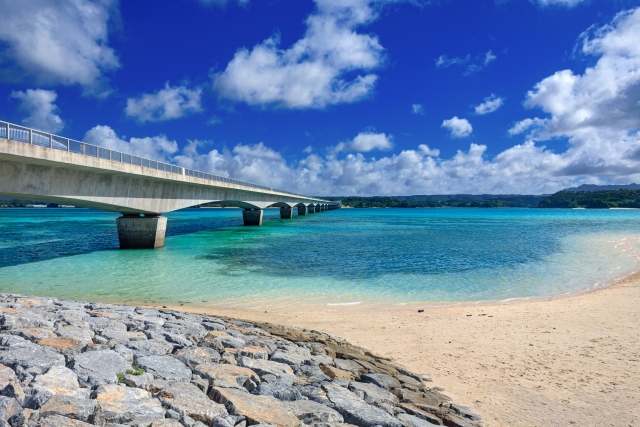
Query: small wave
(345, 303)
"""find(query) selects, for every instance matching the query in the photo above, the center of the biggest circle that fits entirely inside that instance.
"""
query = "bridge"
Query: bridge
(40, 166)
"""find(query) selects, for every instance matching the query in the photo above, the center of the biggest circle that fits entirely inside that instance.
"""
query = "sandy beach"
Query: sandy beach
(561, 361)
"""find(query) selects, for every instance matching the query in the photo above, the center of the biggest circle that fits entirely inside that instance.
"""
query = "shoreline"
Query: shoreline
(555, 360)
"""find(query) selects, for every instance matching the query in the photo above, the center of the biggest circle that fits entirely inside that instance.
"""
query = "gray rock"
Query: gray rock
(124, 405)
(230, 342)
(25, 319)
(142, 381)
(200, 382)
(149, 348)
(165, 367)
(372, 394)
(227, 376)
(256, 409)
(355, 410)
(223, 422)
(413, 421)
(213, 326)
(81, 334)
(177, 339)
(95, 368)
(381, 380)
(32, 358)
(309, 374)
(122, 336)
(167, 422)
(350, 365)
(278, 390)
(174, 415)
(282, 372)
(10, 411)
(60, 421)
(291, 357)
(187, 421)
(194, 356)
(69, 406)
(124, 352)
(310, 412)
(98, 324)
(188, 400)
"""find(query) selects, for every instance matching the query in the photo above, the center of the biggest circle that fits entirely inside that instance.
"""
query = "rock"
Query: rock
(77, 333)
(164, 367)
(257, 409)
(200, 382)
(223, 422)
(355, 410)
(100, 367)
(187, 399)
(410, 382)
(427, 397)
(32, 358)
(381, 380)
(455, 421)
(142, 381)
(282, 372)
(413, 421)
(10, 410)
(336, 373)
(57, 381)
(60, 421)
(123, 351)
(226, 375)
(309, 374)
(166, 422)
(292, 358)
(372, 394)
(69, 406)
(278, 390)
(69, 347)
(310, 412)
(34, 334)
(350, 365)
(122, 336)
(24, 319)
(7, 376)
(14, 389)
(464, 412)
(314, 393)
(230, 342)
(143, 348)
(432, 415)
(321, 359)
(124, 405)
(253, 352)
(194, 356)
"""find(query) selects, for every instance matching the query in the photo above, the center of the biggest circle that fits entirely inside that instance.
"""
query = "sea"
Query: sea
(339, 258)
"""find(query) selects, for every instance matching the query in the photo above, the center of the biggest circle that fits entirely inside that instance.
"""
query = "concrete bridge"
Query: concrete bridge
(40, 166)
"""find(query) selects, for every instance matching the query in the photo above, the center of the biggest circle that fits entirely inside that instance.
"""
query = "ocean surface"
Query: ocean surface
(341, 257)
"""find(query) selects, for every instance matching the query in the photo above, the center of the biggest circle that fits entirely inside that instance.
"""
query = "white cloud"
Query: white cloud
(459, 128)
(222, 3)
(312, 72)
(478, 63)
(165, 104)
(432, 152)
(155, 148)
(490, 104)
(63, 41)
(41, 110)
(417, 109)
(308, 150)
(526, 124)
(568, 3)
(365, 142)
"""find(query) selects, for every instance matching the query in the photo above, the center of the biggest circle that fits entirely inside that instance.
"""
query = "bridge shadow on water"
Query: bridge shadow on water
(34, 235)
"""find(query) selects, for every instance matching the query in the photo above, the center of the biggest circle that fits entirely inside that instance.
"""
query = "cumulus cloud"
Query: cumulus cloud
(417, 109)
(63, 42)
(365, 142)
(165, 104)
(39, 106)
(490, 104)
(155, 148)
(526, 124)
(459, 128)
(312, 73)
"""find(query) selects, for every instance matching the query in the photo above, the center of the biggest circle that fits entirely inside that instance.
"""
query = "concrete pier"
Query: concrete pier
(286, 213)
(311, 209)
(252, 216)
(302, 210)
(136, 232)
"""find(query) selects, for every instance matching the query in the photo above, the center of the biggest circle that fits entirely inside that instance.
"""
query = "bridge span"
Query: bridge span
(41, 166)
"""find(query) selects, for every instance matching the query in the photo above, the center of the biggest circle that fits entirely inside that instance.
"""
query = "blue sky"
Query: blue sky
(339, 97)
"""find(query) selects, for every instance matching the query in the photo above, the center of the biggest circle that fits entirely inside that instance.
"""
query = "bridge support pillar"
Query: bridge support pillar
(312, 209)
(136, 232)
(302, 210)
(286, 213)
(252, 216)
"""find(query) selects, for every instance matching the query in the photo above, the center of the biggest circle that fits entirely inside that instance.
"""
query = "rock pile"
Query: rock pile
(75, 364)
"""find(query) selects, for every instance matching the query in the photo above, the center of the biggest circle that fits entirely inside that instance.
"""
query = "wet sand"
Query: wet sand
(562, 361)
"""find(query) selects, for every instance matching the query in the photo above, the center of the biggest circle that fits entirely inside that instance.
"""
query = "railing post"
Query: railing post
(68, 144)
(50, 141)
(30, 137)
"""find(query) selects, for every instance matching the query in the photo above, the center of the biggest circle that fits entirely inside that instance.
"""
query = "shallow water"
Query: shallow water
(347, 256)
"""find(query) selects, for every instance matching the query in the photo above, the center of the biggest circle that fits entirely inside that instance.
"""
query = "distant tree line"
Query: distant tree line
(392, 202)
(15, 203)
(593, 199)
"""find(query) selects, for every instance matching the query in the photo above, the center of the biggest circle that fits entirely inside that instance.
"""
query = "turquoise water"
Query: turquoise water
(340, 257)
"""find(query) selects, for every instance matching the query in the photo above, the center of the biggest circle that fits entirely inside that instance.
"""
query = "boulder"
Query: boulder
(125, 405)
(256, 409)
(11, 411)
(283, 373)
(229, 376)
(7, 376)
(69, 406)
(142, 381)
(166, 422)
(194, 356)
(372, 394)
(413, 421)
(60, 421)
(59, 381)
(165, 367)
(34, 334)
(355, 410)
(188, 400)
(78, 333)
(95, 368)
(254, 352)
(278, 390)
(290, 355)
(31, 357)
(337, 373)
(350, 365)
(143, 348)
(310, 412)
(381, 380)
(309, 374)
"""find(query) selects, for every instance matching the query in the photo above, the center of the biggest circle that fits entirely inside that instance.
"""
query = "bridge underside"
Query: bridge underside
(37, 173)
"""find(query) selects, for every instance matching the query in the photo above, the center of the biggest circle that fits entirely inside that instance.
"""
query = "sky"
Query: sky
(339, 97)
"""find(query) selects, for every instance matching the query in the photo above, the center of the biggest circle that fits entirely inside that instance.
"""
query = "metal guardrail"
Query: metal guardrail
(36, 137)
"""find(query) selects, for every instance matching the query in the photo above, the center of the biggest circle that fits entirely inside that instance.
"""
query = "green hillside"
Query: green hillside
(593, 199)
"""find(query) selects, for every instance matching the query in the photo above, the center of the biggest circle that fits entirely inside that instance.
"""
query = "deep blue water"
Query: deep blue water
(335, 257)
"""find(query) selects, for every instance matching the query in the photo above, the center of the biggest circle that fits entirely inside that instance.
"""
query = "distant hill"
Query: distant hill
(602, 199)
(441, 200)
(593, 187)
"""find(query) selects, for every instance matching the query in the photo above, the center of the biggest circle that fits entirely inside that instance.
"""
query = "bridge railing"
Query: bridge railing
(54, 142)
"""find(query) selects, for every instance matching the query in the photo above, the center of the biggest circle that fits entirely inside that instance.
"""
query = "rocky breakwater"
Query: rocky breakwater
(67, 363)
